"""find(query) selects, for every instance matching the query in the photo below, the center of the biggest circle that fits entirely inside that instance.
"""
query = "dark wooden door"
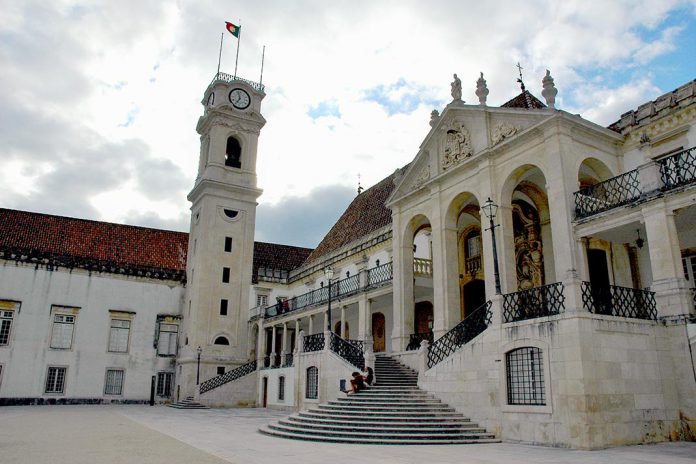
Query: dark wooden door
(378, 338)
(474, 296)
(599, 281)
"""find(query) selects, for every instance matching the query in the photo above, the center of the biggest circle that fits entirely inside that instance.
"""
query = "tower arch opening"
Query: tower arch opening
(233, 153)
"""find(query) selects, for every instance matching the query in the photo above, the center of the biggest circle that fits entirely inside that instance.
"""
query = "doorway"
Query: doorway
(424, 317)
(379, 341)
(265, 392)
(474, 296)
(599, 281)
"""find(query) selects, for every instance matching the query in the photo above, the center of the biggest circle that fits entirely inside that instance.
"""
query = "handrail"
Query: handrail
(313, 342)
(348, 351)
(227, 377)
(468, 329)
(678, 169)
(535, 302)
(225, 77)
(608, 194)
(613, 300)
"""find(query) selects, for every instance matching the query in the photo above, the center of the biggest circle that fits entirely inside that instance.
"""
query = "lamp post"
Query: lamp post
(490, 209)
(328, 272)
(199, 350)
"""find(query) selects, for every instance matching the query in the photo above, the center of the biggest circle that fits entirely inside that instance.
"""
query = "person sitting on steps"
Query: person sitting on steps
(357, 383)
(369, 376)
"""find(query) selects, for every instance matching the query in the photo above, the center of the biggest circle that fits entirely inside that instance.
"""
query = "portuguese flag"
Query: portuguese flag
(234, 30)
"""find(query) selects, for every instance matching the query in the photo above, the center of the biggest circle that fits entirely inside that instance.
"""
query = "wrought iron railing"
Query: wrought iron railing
(266, 361)
(357, 343)
(415, 340)
(461, 334)
(379, 275)
(313, 342)
(423, 267)
(617, 191)
(613, 300)
(678, 169)
(221, 76)
(227, 377)
(472, 265)
(347, 351)
(287, 360)
(535, 302)
(340, 289)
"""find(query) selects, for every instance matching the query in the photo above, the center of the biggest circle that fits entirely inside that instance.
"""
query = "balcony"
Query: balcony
(547, 300)
(422, 267)
(613, 300)
(678, 170)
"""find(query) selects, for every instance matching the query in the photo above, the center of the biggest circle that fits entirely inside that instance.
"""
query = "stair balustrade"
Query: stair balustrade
(348, 351)
(468, 329)
(314, 342)
(227, 377)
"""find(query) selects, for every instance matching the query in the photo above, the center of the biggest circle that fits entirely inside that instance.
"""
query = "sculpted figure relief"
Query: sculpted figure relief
(502, 131)
(457, 145)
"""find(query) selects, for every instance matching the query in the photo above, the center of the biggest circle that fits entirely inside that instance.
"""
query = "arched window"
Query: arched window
(312, 390)
(233, 153)
(525, 376)
(281, 388)
(221, 341)
(473, 244)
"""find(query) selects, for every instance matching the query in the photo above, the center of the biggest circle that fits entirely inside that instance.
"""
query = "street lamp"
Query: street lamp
(199, 350)
(490, 209)
(328, 272)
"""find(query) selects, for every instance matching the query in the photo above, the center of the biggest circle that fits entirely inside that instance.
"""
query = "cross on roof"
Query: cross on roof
(520, 68)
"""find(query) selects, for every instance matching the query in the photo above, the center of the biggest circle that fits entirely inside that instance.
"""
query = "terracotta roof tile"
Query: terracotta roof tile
(277, 257)
(524, 100)
(364, 215)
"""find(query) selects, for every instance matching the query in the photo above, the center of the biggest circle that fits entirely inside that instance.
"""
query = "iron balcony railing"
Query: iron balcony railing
(227, 377)
(340, 289)
(536, 302)
(611, 193)
(461, 334)
(678, 169)
(221, 76)
(348, 351)
(612, 300)
(415, 340)
(313, 342)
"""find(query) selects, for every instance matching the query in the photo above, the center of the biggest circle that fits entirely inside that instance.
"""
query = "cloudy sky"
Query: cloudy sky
(99, 100)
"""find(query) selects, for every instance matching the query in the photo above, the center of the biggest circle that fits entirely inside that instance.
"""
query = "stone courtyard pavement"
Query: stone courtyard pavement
(158, 435)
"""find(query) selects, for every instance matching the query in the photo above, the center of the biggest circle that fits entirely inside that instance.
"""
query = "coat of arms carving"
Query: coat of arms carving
(457, 145)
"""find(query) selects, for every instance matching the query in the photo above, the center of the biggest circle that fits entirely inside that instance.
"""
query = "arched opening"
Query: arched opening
(466, 211)
(221, 341)
(312, 384)
(378, 338)
(233, 153)
(337, 330)
(592, 171)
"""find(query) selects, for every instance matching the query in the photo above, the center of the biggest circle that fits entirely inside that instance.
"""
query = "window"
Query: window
(62, 332)
(281, 388)
(55, 380)
(473, 246)
(220, 370)
(689, 263)
(223, 307)
(118, 336)
(261, 300)
(168, 336)
(233, 153)
(221, 341)
(164, 384)
(113, 385)
(225, 275)
(525, 376)
(312, 390)
(5, 326)
(228, 244)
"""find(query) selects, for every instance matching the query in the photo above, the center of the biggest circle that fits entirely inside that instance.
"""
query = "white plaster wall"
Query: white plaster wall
(28, 355)
(273, 376)
(240, 393)
(331, 370)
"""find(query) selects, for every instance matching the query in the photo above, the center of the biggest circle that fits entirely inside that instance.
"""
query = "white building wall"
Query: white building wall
(26, 358)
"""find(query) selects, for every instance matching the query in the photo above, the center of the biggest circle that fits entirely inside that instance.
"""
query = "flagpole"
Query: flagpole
(222, 34)
(239, 39)
(263, 54)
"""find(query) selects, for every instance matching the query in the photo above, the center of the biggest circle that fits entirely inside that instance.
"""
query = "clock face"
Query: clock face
(239, 98)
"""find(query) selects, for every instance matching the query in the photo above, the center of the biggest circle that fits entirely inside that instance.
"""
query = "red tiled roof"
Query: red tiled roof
(524, 100)
(364, 215)
(99, 246)
(277, 257)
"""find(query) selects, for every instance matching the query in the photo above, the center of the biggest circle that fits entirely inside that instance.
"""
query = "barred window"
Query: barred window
(168, 336)
(62, 331)
(55, 380)
(281, 388)
(164, 384)
(118, 336)
(5, 326)
(114, 382)
(525, 376)
(312, 390)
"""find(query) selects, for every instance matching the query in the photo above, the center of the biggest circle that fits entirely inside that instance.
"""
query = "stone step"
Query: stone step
(387, 428)
(385, 416)
(378, 404)
(386, 422)
(412, 433)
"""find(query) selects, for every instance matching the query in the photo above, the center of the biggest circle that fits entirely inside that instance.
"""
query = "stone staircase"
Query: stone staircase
(188, 403)
(393, 411)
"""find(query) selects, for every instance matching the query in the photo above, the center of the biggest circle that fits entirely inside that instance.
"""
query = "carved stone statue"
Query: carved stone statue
(456, 89)
(434, 118)
(550, 91)
(481, 90)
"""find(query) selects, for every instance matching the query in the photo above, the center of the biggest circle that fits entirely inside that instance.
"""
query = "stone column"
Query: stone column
(364, 319)
(403, 306)
(261, 345)
(273, 346)
(672, 292)
(445, 270)
(311, 324)
(343, 322)
(284, 344)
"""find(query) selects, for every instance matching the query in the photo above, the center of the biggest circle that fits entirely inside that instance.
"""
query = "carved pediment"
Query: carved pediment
(457, 144)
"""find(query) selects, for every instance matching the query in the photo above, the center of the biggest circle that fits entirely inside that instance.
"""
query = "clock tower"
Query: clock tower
(221, 239)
